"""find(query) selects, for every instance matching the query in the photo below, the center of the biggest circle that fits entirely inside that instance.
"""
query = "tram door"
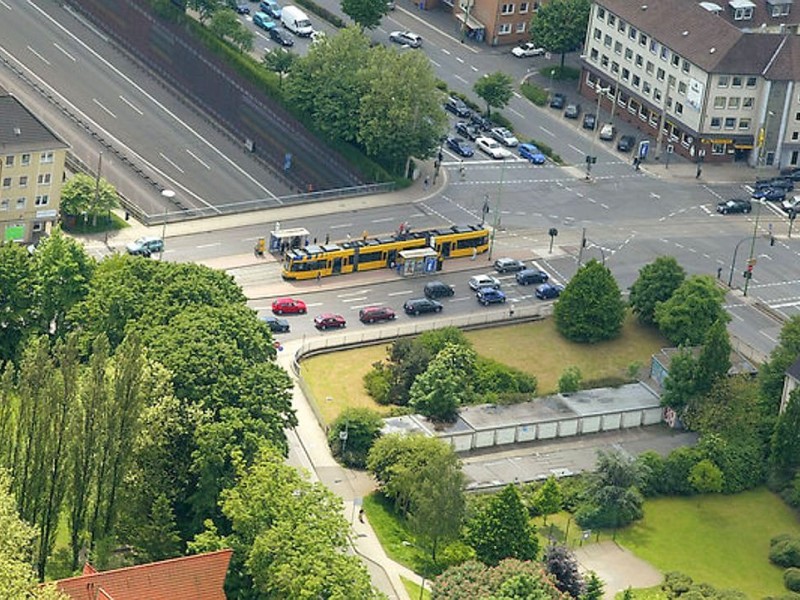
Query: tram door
(337, 265)
(446, 249)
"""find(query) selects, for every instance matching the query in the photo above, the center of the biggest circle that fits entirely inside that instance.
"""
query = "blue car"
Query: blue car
(262, 20)
(549, 291)
(487, 296)
(272, 8)
(459, 146)
(532, 153)
(771, 194)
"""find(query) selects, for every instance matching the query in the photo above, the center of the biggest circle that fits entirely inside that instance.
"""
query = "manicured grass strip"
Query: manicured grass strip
(653, 593)
(394, 536)
(415, 591)
(721, 540)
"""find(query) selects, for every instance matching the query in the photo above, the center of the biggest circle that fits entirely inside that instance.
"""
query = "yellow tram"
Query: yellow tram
(382, 252)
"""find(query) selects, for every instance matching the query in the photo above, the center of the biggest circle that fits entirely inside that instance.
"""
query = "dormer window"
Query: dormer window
(779, 8)
(742, 9)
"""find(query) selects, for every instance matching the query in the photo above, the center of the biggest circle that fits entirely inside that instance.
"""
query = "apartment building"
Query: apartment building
(497, 22)
(31, 173)
(694, 82)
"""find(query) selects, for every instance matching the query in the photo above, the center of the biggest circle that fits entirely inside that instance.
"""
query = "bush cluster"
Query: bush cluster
(534, 93)
(784, 550)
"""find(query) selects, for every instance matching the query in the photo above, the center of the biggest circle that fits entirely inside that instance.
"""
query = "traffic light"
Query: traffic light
(772, 240)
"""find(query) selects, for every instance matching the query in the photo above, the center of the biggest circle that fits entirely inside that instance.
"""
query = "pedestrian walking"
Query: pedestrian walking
(474, 253)
(699, 172)
(327, 239)
(319, 276)
(361, 515)
(719, 272)
(426, 183)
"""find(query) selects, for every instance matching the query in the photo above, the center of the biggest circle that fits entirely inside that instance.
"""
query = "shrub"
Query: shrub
(378, 383)
(495, 379)
(548, 151)
(570, 380)
(653, 481)
(785, 553)
(560, 73)
(676, 583)
(501, 121)
(362, 427)
(534, 93)
(791, 579)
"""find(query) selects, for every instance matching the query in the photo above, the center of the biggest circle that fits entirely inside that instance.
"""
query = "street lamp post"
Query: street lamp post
(750, 261)
(590, 157)
(496, 222)
(168, 195)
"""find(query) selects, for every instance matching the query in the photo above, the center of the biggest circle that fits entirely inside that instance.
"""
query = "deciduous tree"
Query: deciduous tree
(17, 298)
(495, 89)
(772, 373)
(83, 194)
(501, 529)
(706, 477)
(691, 311)
(714, 361)
(445, 385)
(279, 62)
(679, 386)
(785, 452)
(563, 566)
(367, 13)
(547, 500)
(656, 283)
(560, 25)
(352, 434)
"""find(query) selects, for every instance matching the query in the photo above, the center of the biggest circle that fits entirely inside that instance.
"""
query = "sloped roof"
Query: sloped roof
(751, 54)
(198, 577)
(786, 66)
(794, 369)
(21, 130)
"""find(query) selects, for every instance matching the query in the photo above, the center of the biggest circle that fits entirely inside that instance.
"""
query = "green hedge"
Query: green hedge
(560, 73)
(322, 12)
(547, 151)
(534, 93)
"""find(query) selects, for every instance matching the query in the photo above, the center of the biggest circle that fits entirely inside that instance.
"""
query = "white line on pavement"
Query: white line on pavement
(65, 53)
(197, 158)
(403, 293)
(578, 150)
(131, 105)
(39, 56)
(162, 155)
(342, 226)
(209, 245)
(460, 78)
(547, 131)
(96, 101)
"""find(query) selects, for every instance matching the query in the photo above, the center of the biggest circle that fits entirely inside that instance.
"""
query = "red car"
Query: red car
(329, 321)
(371, 314)
(289, 306)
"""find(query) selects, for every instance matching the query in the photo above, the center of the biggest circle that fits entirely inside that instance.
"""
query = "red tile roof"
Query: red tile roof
(198, 577)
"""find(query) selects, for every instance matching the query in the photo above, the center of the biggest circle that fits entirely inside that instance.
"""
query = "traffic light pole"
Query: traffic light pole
(733, 260)
(750, 262)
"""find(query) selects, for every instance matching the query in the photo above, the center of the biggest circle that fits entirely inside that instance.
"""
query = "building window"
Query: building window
(611, 19)
(719, 101)
(646, 88)
(45, 158)
(618, 47)
(523, 8)
(25, 160)
(685, 66)
(751, 82)
(743, 14)
(642, 39)
(632, 33)
(628, 54)
(664, 53)
(598, 35)
(744, 123)
(505, 29)
(521, 27)
(717, 148)
(38, 226)
(654, 46)
(615, 67)
(678, 108)
(604, 61)
(42, 200)
(780, 10)
(736, 82)
(795, 136)
(649, 68)
(730, 122)
(660, 74)
(601, 13)
(21, 203)
(607, 41)
(507, 9)
(621, 26)
(4, 204)
(733, 102)
(594, 54)
(6, 182)
(716, 122)
(23, 181)
(723, 81)
(10, 160)
(747, 102)
(639, 61)
(636, 81)
(43, 179)
(682, 88)
(796, 118)
(657, 95)
(626, 74)
(676, 60)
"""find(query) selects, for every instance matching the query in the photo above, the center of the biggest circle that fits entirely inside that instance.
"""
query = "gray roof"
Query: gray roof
(794, 370)
(20, 130)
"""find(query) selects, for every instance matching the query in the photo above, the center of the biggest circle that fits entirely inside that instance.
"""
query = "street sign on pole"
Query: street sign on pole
(644, 148)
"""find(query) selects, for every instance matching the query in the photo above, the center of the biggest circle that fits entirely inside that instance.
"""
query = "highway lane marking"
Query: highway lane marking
(434, 63)
(403, 293)
(197, 158)
(162, 155)
(768, 336)
(310, 304)
(39, 56)
(604, 205)
(461, 79)
(5, 5)
(348, 294)
(476, 70)
(516, 112)
(358, 299)
(65, 53)
(342, 226)
(209, 245)
(446, 51)
(96, 101)
(547, 131)
(459, 59)
(126, 101)
(581, 152)
(383, 220)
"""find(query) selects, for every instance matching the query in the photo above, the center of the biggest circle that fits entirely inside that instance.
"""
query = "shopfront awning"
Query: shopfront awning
(472, 23)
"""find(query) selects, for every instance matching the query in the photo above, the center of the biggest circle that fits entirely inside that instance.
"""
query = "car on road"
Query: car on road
(776, 182)
(607, 132)
(771, 194)
(626, 143)
(281, 37)
(549, 291)
(289, 306)
(264, 21)
(329, 321)
(242, 9)
(558, 100)
(483, 281)
(406, 38)
(529, 276)
(459, 146)
(487, 296)
(508, 265)
(573, 111)
(532, 153)
(492, 148)
(438, 289)
(504, 136)
(276, 325)
(527, 50)
(145, 246)
(417, 306)
(589, 121)
(468, 131)
(457, 107)
(270, 7)
(373, 314)
(791, 205)
(734, 205)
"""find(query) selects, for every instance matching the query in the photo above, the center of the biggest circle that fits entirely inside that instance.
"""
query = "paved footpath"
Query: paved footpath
(617, 567)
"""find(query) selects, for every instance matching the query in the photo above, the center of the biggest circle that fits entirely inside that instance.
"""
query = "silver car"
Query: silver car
(483, 281)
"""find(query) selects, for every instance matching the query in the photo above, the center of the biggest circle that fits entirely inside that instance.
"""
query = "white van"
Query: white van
(296, 21)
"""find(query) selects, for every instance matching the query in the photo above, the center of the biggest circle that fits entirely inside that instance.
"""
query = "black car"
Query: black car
(438, 289)
(280, 36)
(417, 306)
(734, 205)
(480, 122)
(242, 9)
(589, 121)
(770, 194)
(459, 146)
(457, 107)
(548, 291)
(468, 131)
(276, 325)
(776, 182)
(573, 111)
(558, 100)
(529, 276)
(626, 143)
(792, 173)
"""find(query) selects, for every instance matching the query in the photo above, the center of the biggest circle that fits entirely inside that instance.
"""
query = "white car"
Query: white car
(791, 205)
(406, 38)
(607, 132)
(526, 50)
(483, 281)
(492, 148)
(504, 136)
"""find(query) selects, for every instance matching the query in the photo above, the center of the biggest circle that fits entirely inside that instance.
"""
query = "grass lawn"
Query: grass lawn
(721, 540)
(339, 375)
(396, 539)
(415, 591)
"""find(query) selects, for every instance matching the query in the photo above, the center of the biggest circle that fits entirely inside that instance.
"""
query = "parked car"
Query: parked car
(242, 9)
(264, 21)
(481, 122)
(276, 325)
(527, 50)
(504, 136)
(272, 8)
(776, 182)
(417, 306)
(771, 194)
(459, 146)
(792, 173)
(492, 148)
(288, 306)
(607, 132)
(529, 276)
(549, 291)
(626, 143)
(468, 131)
(145, 246)
(329, 321)
(573, 111)
(373, 314)
(457, 107)
(438, 289)
(280, 36)
(532, 153)
(558, 100)
(508, 265)
(487, 296)
(589, 121)
(791, 205)
(483, 281)
(406, 38)
(734, 205)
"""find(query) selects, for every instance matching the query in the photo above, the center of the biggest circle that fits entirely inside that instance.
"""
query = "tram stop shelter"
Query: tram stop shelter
(281, 240)
(420, 261)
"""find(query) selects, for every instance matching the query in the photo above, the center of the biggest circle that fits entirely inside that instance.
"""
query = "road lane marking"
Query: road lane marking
(581, 152)
(209, 245)
(161, 154)
(383, 220)
(96, 101)
(516, 112)
(435, 64)
(197, 158)
(65, 53)
(358, 299)
(517, 94)
(403, 293)
(126, 101)
(461, 79)
(547, 131)
(348, 294)
(459, 59)
(476, 70)
(39, 56)
(446, 51)
(5, 5)
(342, 226)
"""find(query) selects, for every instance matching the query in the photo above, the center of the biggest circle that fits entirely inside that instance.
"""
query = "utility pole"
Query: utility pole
(583, 245)
(496, 223)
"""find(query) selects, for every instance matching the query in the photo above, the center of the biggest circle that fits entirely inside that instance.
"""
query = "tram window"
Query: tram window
(370, 256)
